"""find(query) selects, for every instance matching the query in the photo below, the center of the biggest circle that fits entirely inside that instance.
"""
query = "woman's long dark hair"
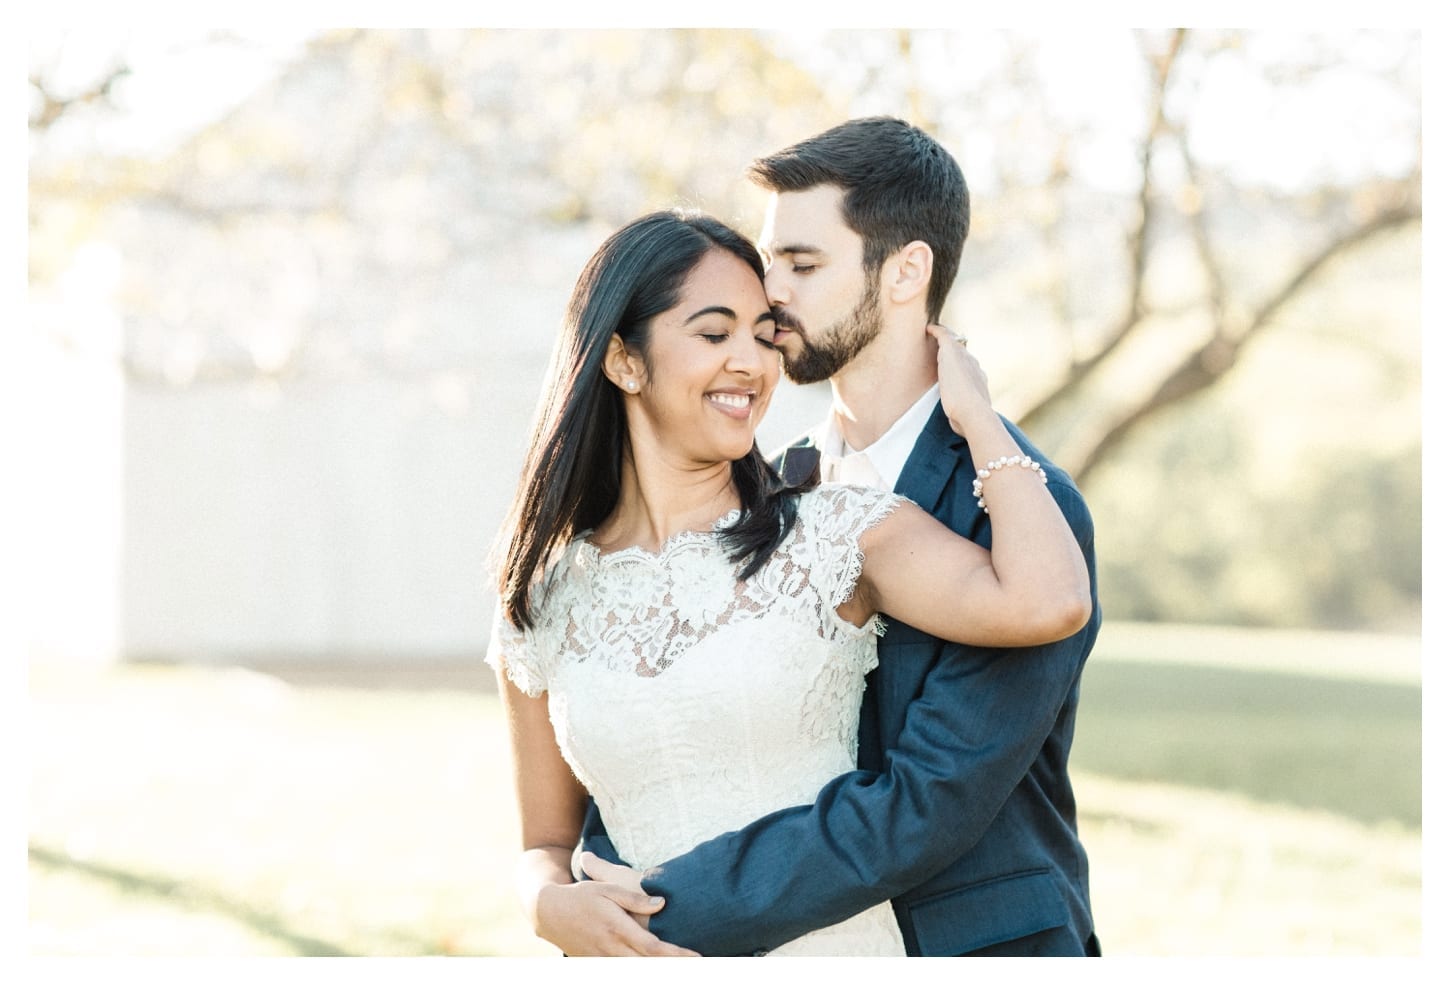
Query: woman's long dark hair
(571, 476)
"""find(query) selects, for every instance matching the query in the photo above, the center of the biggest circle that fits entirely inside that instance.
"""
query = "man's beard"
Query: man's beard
(838, 344)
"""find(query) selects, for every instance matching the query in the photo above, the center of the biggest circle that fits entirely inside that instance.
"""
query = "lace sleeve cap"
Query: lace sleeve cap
(844, 513)
(514, 651)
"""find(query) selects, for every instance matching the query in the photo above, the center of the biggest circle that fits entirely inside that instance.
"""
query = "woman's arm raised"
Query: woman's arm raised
(1031, 588)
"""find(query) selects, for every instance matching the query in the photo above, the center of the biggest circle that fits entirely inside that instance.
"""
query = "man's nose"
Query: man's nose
(776, 291)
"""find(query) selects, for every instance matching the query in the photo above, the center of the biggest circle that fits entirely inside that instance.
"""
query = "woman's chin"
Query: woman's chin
(732, 452)
(743, 450)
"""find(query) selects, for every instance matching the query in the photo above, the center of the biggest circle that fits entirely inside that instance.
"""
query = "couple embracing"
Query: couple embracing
(821, 705)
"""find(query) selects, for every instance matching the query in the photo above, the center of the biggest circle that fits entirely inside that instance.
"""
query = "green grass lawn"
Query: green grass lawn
(1341, 734)
(221, 812)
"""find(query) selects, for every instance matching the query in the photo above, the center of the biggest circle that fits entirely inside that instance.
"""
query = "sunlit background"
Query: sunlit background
(291, 295)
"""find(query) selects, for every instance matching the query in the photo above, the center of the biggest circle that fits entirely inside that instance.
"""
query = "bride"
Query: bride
(681, 636)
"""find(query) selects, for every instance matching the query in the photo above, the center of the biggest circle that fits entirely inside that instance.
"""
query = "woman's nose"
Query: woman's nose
(746, 354)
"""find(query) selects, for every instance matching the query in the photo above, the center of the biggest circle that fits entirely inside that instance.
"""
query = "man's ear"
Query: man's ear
(625, 369)
(908, 272)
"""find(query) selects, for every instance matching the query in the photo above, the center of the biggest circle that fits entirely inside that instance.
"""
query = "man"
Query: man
(961, 812)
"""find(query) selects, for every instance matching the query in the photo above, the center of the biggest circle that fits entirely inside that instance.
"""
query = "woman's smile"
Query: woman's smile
(732, 403)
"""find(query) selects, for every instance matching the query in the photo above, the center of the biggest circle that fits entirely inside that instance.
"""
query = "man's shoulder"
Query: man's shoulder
(1059, 482)
(806, 439)
(798, 461)
(946, 442)
(1055, 474)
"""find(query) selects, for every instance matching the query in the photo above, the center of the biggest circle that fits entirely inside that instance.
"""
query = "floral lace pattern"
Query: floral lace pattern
(690, 703)
(644, 610)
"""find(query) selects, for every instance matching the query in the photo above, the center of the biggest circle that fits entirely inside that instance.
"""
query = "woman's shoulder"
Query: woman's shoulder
(847, 507)
(830, 492)
(840, 495)
(557, 582)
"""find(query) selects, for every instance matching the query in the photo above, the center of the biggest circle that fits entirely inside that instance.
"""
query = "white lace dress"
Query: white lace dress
(689, 703)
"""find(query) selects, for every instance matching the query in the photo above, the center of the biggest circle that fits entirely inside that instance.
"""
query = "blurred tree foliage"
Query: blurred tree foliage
(401, 159)
(1192, 256)
(427, 166)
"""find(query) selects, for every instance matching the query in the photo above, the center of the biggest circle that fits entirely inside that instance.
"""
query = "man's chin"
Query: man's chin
(802, 373)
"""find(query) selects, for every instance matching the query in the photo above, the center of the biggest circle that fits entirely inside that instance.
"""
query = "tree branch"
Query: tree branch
(1210, 362)
(1198, 225)
(1389, 219)
(53, 107)
(1161, 67)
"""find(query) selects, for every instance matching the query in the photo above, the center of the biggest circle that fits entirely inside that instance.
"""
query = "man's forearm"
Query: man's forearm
(968, 740)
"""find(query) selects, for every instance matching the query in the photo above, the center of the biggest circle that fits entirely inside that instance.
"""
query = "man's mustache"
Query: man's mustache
(783, 319)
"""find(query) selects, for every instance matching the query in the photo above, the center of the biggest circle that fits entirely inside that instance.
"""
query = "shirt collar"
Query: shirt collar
(888, 453)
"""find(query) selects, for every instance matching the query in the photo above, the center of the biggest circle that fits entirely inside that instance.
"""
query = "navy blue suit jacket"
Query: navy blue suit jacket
(961, 812)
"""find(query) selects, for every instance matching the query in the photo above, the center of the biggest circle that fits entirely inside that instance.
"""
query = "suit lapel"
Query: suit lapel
(923, 478)
(931, 462)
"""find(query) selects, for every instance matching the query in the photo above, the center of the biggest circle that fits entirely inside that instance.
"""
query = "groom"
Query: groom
(961, 812)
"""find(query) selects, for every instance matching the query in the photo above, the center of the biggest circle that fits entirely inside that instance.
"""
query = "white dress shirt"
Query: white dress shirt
(878, 465)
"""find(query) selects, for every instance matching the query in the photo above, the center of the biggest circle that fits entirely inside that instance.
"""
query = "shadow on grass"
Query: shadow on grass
(1351, 747)
(180, 893)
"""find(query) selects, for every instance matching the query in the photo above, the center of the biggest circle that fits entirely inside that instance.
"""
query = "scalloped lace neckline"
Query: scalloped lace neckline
(669, 544)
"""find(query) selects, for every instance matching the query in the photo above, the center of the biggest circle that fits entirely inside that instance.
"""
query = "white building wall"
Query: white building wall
(325, 521)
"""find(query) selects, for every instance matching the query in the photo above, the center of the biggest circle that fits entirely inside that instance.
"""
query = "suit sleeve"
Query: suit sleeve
(969, 738)
(593, 838)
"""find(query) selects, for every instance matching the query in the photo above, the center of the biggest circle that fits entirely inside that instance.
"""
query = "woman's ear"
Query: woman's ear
(624, 369)
(909, 272)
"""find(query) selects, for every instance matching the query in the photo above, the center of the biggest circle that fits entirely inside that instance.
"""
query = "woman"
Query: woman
(679, 635)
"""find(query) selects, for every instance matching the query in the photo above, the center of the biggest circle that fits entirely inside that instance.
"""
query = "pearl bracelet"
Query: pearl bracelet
(985, 472)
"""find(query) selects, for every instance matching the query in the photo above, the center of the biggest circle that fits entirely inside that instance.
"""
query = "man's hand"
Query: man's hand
(601, 918)
(623, 876)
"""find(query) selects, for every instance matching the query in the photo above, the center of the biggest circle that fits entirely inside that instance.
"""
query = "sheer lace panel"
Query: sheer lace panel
(642, 611)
